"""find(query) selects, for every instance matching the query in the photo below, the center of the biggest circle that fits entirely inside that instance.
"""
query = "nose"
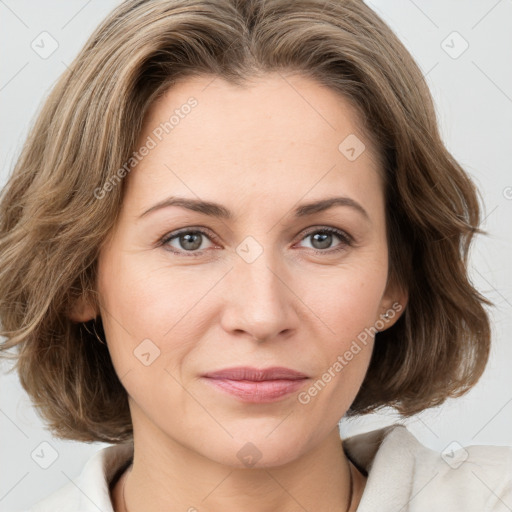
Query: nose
(259, 301)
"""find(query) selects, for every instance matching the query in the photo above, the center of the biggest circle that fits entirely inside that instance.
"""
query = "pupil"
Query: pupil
(325, 240)
(189, 243)
(193, 241)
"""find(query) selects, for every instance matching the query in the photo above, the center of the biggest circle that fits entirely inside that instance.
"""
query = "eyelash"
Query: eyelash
(347, 240)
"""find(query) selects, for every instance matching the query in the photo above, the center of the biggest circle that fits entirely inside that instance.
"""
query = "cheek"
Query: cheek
(347, 302)
(346, 299)
(153, 302)
(347, 308)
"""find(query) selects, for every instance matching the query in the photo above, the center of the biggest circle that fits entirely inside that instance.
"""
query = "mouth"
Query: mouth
(257, 385)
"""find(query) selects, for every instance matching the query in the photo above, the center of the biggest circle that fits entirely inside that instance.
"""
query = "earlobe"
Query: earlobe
(82, 311)
(393, 307)
(390, 315)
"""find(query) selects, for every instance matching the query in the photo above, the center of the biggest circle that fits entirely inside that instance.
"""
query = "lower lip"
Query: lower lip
(258, 391)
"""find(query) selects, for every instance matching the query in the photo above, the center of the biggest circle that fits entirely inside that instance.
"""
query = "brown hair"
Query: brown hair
(52, 225)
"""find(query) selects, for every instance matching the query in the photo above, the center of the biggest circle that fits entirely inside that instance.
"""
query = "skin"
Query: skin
(259, 151)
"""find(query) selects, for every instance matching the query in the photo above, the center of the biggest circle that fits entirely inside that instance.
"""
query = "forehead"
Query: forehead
(278, 133)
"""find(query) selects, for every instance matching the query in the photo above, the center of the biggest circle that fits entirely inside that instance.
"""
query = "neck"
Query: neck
(175, 478)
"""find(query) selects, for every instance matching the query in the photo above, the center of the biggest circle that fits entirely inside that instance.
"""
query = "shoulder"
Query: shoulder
(411, 475)
(478, 477)
(90, 490)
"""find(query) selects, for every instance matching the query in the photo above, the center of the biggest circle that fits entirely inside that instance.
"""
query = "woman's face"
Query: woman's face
(263, 284)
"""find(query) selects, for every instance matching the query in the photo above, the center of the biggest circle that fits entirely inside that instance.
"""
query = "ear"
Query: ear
(82, 310)
(392, 305)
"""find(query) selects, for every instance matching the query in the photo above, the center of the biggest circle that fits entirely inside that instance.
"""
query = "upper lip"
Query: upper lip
(255, 374)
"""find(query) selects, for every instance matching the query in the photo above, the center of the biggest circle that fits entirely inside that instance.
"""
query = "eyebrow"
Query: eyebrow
(217, 210)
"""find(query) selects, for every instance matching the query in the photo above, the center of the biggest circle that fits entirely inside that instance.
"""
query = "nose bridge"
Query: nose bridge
(261, 276)
(260, 300)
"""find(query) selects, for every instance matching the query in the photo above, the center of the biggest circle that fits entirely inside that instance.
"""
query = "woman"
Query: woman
(234, 223)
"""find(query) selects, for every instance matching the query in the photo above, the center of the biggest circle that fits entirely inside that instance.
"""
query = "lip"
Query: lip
(255, 374)
(255, 385)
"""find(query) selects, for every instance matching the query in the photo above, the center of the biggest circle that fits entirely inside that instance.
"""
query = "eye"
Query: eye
(322, 239)
(188, 241)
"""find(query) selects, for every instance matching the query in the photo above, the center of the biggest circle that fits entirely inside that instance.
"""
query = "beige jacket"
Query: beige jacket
(403, 475)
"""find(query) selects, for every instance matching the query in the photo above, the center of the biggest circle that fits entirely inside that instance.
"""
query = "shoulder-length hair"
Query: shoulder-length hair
(53, 222)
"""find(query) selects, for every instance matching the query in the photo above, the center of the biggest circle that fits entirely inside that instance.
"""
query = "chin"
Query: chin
(258, 447)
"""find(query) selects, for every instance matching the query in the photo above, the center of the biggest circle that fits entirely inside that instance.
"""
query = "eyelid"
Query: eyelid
(342, 234)
(347, 240)
(189, 229)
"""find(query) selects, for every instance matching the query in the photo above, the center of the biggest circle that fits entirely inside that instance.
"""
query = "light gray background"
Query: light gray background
(473, 95)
